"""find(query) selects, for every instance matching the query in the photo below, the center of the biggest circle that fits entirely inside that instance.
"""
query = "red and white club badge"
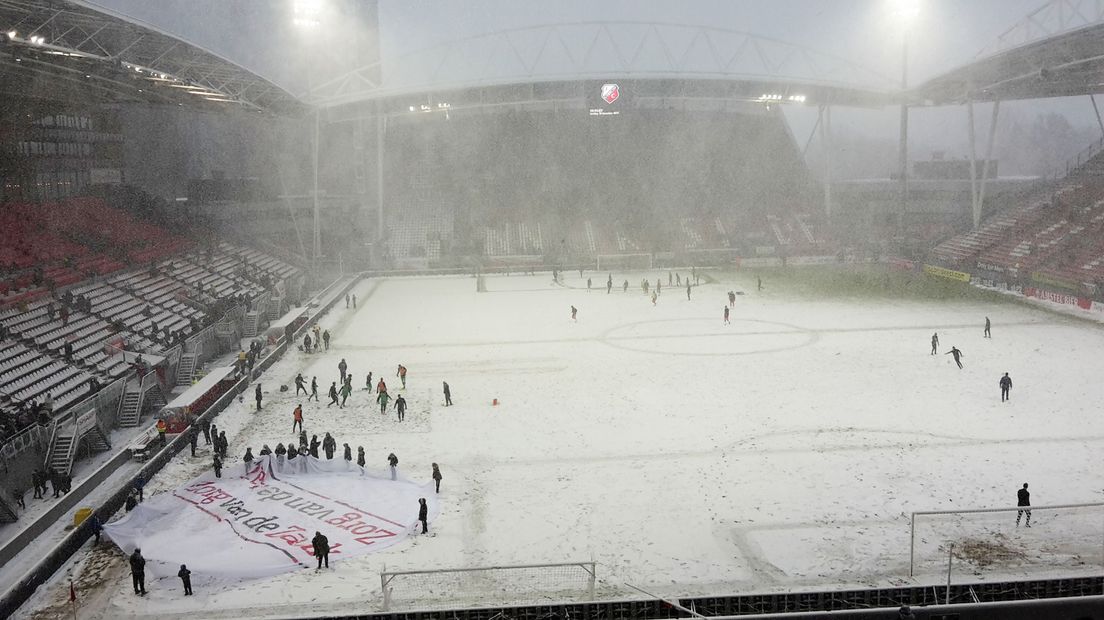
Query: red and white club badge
(610, 92)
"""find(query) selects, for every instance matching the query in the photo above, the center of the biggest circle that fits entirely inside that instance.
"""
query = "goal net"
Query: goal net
(999, 540)
(493, 585)
(624, 262)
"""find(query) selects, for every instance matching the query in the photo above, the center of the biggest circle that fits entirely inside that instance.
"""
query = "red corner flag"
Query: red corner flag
(72, 592)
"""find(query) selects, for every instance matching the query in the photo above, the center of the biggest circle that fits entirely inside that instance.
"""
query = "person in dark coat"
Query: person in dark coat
(257, 396)
(292, 452)
(1023, 498)
(957, 356)
(140, 487)
(248, 458)
(193, 439)
(131, 502)
(207, 426)
(423, 514)
(437, 477)
(138, 572)
(224, 445)
(281, 454)
(400, 407)
(348, 453)
(333, 395)
(326, 339)
(314, 443)
(1005, 386)
(314, 390)
(392, 462)
(265, 450)
(217, 464)
(448, 394)
(17, 495)
(321, 546)
(987, 326)
(37, 481)
(342, 367)
(186, 577)
(97, 527)
(360, 456)
(300, 384)
(328, 446)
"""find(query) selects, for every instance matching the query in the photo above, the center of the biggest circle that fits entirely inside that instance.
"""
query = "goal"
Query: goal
(485, 586)
(624, 262)
(1064, 537)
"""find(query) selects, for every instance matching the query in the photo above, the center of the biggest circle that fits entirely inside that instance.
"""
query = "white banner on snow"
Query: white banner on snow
(260, 522)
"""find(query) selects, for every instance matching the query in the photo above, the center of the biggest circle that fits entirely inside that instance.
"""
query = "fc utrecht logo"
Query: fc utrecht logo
(610, 92)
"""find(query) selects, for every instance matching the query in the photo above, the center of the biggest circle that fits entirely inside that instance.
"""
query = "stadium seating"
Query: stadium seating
(62, 329)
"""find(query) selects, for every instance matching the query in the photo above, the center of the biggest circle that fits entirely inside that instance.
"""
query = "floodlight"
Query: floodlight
(12, 34)
(905, 10)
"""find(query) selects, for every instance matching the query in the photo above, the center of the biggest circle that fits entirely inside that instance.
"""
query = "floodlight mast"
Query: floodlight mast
(906, 12)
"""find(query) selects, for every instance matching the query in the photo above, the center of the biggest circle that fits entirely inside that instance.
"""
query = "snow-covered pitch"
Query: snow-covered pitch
(683, 455)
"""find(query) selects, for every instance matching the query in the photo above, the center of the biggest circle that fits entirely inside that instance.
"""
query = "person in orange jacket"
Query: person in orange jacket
(297, 418)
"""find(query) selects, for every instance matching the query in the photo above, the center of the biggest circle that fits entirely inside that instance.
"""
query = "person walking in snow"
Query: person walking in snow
(731, 298)
(654, 298)
(314, 444)
(138, 572)
(329, 444)
(345, 391)
(321, 547)
(185, 578)
(360, 456)
(935, 343)
(400, 407)
(381, 386)
(392, 462)
(346, 301)
(1023, 498)
(248, 459)
(300, 384)
(609, 284)
(326, 339)
(333, 394)
(437, 477)
(401, 373)
(574, 314)
(383, 398)
(314, 390)
(347, 454)
(297, 418)
(257, 395)
(759, 282)
(216, 464)
(423, 514)
(625, 287)
(588, 285)
(193, 439)
(307, 343)
(354, 301)
(342, 367)
(1005, 386)
(687, 290)
(368, 383)
(448, 393)
(958, 355)
(987, 326)
(726, 315)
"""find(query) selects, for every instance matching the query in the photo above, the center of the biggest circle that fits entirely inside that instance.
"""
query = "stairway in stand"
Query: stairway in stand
(186, 369)
(131, 411)
(61, 454)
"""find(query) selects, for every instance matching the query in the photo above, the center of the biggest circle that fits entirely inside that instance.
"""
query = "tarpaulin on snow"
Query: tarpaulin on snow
(260, 522)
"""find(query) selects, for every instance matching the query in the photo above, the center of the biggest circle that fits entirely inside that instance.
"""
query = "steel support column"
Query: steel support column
(988, 158)
(902, 164)
(975, 209)
(826, 145)
(381, 129)
(314, 195)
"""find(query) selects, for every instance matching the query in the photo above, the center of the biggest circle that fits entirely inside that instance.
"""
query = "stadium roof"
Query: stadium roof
(69, 50)
(1056, 51)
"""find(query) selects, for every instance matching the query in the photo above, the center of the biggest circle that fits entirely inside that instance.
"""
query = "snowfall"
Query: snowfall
(784, 451)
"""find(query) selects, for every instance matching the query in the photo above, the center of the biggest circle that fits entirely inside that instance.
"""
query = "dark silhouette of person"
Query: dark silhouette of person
(1023, 498)
(1005, 386)
(957, 355)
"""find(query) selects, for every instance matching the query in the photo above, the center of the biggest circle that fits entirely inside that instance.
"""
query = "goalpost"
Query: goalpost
(1059, 537)
(624, 262)
(490, 585)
